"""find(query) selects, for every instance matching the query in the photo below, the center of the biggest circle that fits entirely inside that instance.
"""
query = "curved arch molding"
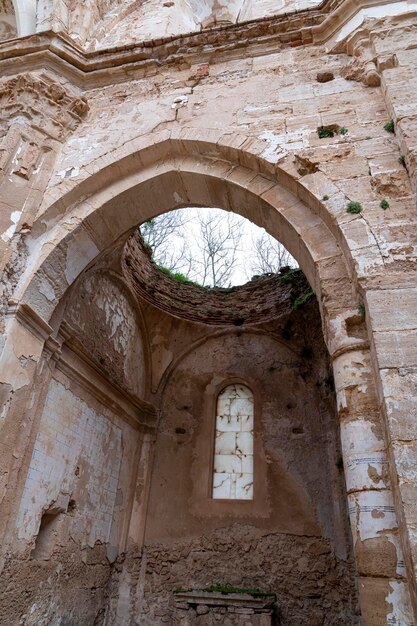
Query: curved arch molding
(25, 17)
(151, 176)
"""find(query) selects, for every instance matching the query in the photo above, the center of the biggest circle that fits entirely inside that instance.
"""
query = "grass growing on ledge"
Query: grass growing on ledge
(301, 300)
(180, 278)
(290, 275)
(228, 589)
(296, 277)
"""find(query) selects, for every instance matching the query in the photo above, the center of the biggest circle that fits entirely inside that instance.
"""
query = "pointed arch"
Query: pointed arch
(149, 176)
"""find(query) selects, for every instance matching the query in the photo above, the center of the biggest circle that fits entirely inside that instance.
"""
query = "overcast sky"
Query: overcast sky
(189, 234)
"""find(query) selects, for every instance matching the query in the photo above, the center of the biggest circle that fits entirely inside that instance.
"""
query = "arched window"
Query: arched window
(233, 447)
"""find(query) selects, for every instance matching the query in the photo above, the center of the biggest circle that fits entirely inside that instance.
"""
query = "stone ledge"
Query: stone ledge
(109, 66)
(211, 607)
(228, 600)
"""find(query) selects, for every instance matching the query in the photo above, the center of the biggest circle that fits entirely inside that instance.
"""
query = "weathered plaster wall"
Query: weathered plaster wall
(83, 476)
(303, 403)
(80, 477)
(105, 322)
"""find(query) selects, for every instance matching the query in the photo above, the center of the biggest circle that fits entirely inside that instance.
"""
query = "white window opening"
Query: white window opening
(233, 448)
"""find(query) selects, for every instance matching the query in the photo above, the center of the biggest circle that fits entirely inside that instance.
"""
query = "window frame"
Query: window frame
(202, 505)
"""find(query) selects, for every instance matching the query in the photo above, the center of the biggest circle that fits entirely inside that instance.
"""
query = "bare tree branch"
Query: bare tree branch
(205, 245)
(164, 234)
(268, 255)
(219, 247)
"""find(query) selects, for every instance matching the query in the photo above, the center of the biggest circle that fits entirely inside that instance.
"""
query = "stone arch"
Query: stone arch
(25, 17)
(195, 345)
(86, 214)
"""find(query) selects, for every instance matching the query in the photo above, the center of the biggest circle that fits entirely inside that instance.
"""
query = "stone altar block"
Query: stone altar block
(204, 608)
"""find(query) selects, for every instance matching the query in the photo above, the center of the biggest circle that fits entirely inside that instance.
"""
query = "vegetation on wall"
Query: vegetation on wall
(389, 126)
(354, 207)
(331, 131)
(301, 288)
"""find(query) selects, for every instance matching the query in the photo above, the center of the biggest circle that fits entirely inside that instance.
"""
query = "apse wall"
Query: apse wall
(105, 323)
(292, 538)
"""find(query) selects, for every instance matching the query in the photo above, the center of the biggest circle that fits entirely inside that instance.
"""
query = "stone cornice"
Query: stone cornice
(30, 320)
(236, 600)
(75, 364)
(92, 69)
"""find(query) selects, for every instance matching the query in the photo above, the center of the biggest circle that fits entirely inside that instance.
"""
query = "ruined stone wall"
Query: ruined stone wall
(79, 486)
(252, 303)
(93, 144)
(293, 539)
(277, 99)
(313, 586)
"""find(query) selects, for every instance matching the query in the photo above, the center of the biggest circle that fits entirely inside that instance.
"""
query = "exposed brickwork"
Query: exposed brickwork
(260, 300)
